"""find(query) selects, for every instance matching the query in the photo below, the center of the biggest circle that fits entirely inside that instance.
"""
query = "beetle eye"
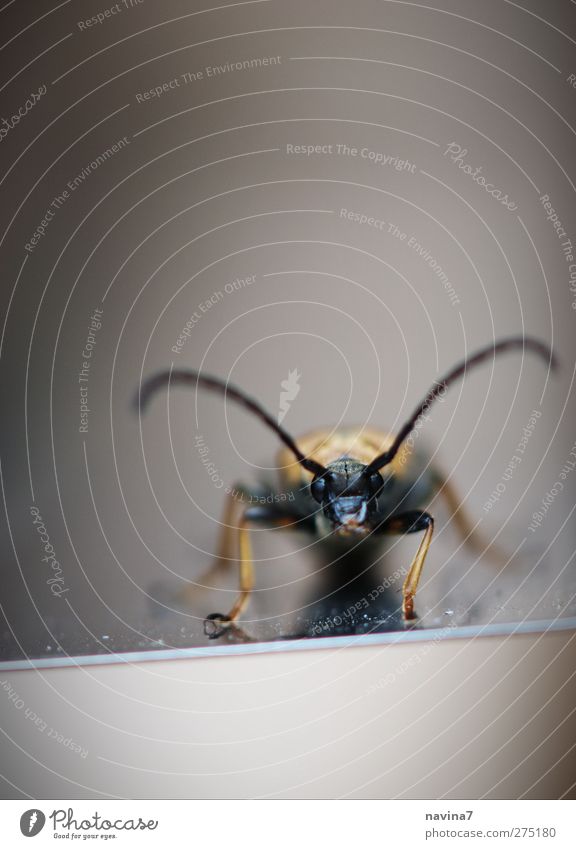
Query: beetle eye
(318, 488)
(375, 483)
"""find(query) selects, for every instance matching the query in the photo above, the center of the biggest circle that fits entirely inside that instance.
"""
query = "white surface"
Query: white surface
(485, 717)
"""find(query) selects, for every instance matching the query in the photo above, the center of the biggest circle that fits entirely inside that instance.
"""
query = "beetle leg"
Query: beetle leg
(227, 545)
(217, 623)
(409, 523)
(226, 553)
(470, 535)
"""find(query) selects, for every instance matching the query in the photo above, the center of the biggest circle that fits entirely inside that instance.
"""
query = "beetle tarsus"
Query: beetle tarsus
(408, 610)
(216, 624)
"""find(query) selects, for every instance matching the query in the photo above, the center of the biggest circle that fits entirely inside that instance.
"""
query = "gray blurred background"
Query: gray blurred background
(208, 144)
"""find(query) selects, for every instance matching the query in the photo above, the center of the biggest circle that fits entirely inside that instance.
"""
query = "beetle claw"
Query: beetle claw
(215, 625)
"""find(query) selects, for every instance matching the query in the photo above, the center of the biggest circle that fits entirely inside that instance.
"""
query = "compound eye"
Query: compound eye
(318, 489)
(375, 483)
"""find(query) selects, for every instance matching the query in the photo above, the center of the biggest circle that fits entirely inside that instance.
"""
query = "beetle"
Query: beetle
(346, 485)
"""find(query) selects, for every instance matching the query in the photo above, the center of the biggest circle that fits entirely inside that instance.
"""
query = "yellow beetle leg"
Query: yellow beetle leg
(470, 535)
(216, 623)
(226, 554)
(409, 523)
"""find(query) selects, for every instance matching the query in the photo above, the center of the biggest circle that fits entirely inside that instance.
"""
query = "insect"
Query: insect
(346, 485)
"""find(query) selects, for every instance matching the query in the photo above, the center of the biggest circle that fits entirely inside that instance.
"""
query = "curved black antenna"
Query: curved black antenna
(441, 385)
(191, 378)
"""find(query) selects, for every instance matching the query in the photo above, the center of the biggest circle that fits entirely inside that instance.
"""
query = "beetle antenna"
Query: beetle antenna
(460, 370)
(181, 377)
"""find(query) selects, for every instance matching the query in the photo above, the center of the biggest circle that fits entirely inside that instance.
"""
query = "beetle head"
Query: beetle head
(348, 496)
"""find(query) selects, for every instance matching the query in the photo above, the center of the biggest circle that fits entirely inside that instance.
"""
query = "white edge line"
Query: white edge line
(537, 626)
